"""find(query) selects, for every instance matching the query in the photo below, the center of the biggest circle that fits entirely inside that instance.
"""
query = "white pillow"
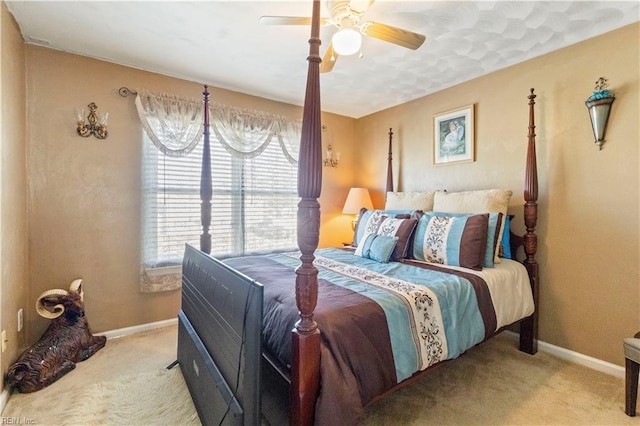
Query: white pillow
(410, 201)
(481, 201)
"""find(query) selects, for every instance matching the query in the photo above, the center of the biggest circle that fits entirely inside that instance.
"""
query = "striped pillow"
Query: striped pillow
(459, 240)
(495, 222)
(477, 202)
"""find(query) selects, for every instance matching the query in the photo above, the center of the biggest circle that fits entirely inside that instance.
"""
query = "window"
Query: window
(254, 203)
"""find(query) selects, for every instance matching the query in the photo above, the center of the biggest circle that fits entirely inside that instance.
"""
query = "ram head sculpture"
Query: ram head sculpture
(65, 342)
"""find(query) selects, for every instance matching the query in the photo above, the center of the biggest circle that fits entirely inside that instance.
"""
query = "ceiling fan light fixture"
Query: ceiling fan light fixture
(346, 41)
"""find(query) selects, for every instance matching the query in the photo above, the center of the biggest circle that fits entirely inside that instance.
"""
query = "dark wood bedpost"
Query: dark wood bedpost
(206, 191)
(389, 163)
(305, 342)
(529, 326)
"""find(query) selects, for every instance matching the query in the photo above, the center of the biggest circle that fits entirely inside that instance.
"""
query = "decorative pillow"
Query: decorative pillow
(482, 201)
(410, 200)
(381, 224)
(377, 247)
(495, 220)
(369, 221)
(506, 239)
(452, 240)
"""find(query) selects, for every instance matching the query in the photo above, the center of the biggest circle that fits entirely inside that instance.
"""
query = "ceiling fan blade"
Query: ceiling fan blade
(394, 35)
(289, 20)
(329, 59)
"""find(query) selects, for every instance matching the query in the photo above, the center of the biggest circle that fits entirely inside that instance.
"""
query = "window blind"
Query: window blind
(254, 203)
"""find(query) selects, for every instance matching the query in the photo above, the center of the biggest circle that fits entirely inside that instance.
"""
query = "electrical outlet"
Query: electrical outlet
(20, 320)
(4, 340)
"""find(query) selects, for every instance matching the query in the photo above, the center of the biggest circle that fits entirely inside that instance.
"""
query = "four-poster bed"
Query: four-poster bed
(328, 380)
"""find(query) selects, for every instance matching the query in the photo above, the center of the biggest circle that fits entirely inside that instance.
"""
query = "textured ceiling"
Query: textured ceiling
(222, 44)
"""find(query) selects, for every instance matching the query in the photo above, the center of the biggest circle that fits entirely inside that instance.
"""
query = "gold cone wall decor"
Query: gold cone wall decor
(599, 105)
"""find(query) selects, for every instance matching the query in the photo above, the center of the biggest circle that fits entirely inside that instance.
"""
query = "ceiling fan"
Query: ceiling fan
(346, 16)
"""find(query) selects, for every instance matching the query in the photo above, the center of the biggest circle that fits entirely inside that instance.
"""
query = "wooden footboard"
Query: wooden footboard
(220, 340)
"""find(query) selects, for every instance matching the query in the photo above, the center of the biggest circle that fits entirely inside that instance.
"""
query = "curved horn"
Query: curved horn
(76, 287)
(57, 309)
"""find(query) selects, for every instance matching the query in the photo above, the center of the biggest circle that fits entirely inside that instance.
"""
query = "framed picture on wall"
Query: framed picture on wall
(453, 138)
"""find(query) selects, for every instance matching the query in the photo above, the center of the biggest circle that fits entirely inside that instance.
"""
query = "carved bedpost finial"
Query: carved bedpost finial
(390, 163)
(206, 191)
(531, 188)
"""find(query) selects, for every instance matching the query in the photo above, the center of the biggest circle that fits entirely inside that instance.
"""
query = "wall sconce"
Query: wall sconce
(332, 159)
(97, 125)
(599, 105)
(357, 199)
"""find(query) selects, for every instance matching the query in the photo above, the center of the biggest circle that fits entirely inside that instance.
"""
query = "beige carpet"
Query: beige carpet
(125, 383)
(493, 384)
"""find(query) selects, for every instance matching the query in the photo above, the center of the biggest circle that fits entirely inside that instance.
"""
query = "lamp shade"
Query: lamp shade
(357, 198)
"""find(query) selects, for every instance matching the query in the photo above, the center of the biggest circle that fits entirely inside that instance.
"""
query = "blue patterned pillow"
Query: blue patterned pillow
(495, 222)
(367, 218)
(392, 223)
(458, 240)
(377, 247)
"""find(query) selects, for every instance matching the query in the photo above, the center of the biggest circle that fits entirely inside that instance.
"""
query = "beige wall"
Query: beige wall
(13, 186)
(84, 193)
(589, 200)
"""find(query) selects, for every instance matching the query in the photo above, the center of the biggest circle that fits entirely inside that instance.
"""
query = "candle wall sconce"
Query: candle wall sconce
(599, 105)
(97, 123)
(333, 158)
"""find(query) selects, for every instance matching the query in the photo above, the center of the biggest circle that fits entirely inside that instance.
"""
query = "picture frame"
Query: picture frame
(453, 136)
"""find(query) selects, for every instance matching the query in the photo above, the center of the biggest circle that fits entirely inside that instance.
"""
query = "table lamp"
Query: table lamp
(357, 199)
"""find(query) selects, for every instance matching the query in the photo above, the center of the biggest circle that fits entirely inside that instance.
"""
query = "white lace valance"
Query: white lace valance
(289, 134)
(242, 132)
(173, 124)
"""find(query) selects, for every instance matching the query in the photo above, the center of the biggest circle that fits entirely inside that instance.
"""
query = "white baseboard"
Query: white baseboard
(575, 357)
(4, 398)
(120, 332)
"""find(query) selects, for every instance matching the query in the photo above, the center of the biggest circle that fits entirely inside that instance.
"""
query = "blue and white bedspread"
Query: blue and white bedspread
(383, 322)
(432, 314)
